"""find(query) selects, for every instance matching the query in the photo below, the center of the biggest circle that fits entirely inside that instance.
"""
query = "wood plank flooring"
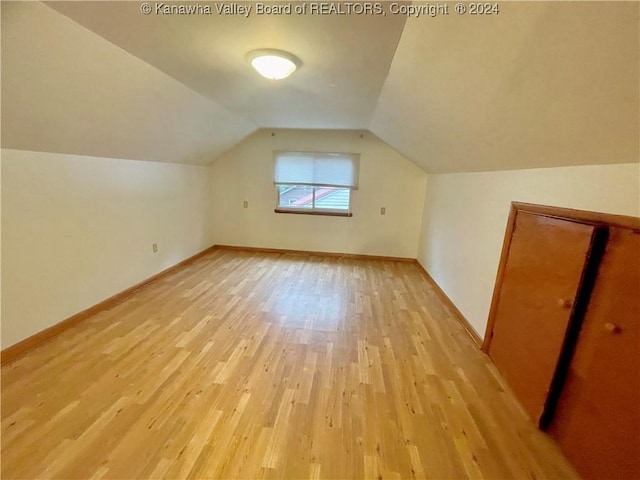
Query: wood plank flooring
(256, 365)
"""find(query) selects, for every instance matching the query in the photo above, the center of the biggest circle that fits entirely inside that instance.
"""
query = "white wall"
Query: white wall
(465, 216)
(387, 179)
(76, 230)
(66, 89)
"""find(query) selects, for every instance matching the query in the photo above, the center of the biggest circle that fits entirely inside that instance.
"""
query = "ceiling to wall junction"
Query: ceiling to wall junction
(535, 84)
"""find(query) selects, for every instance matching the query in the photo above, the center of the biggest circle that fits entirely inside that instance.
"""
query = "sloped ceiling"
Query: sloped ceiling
(539, 84)
(67, 90)
(345, 58)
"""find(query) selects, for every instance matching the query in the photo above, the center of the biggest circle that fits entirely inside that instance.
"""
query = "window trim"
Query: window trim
(313, 210)
(309, 174)
(326, 213)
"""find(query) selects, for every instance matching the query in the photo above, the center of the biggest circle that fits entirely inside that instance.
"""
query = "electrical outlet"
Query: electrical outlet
(383, 211)
(155, 248)
(245, 204)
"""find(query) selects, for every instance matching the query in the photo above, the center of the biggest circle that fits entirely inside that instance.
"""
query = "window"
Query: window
(315, 183)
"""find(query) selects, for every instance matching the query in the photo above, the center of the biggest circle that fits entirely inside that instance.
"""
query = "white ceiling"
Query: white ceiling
(345, 58)
(539, 84)
(67, 90)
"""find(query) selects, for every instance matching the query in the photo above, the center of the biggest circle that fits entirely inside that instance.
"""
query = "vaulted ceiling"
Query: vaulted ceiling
(539, 84)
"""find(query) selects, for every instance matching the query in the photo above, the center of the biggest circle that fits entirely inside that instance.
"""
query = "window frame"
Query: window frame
(333, 212)
(353, 158)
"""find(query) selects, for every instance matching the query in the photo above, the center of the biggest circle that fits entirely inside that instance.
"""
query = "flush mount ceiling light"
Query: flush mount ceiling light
(273, 64)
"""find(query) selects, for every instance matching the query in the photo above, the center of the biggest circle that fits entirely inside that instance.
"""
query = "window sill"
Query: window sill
(314, 212)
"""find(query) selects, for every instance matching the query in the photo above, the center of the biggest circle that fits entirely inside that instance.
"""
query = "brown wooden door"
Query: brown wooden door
(540, 282)
(597, 420)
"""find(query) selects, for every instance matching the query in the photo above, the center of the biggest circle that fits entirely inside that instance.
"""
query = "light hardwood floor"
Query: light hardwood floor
(256, 365)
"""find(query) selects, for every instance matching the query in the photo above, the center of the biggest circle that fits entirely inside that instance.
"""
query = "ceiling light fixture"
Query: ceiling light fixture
(273, 64)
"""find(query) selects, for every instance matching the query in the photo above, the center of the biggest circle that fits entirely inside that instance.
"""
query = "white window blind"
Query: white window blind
(318, 169)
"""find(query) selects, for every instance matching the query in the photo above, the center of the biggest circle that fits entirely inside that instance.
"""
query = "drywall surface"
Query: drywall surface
(541, 84)
(68, 90)
(465, 216)
(387, 179)
(76, 230)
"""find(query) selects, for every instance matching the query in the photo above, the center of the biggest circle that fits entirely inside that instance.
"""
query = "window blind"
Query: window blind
(318, 169)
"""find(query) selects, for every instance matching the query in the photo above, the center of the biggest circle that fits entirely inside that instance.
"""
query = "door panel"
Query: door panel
(597, 421)
(541, 279)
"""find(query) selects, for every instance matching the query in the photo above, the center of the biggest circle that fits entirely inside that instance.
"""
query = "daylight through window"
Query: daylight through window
(315, 182)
